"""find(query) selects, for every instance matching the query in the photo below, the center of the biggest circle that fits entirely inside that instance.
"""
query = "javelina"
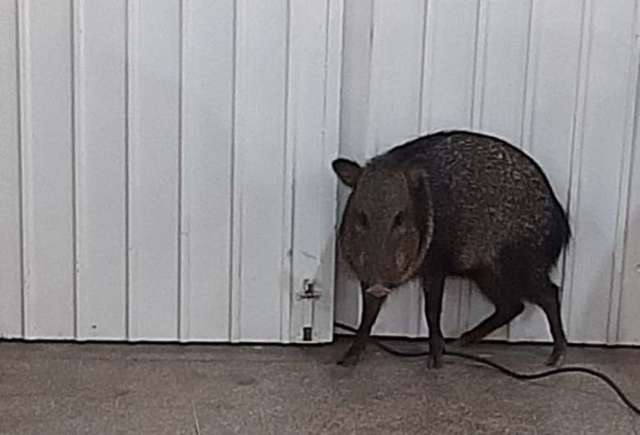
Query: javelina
(453, 203)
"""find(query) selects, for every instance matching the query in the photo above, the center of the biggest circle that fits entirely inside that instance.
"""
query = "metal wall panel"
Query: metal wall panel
(47, 154)
(261, 241)
(155, 155)
(207, 147)
(499, 92)
(161, 159)
(628, 331)
(610, 38)
(548, 121)
(558, 79)
(394, 111)
(10, 225)
(447, 96)
(312, 103)
(100, 49)
(354, 119)
(153, 171)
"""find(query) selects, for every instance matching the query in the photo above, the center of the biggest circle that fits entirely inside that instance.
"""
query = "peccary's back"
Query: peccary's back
(487, 196)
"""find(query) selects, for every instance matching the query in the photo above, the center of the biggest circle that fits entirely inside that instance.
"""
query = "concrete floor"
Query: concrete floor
(170, 389)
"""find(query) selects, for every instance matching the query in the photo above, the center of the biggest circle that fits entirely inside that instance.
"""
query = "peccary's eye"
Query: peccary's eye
(398, 220)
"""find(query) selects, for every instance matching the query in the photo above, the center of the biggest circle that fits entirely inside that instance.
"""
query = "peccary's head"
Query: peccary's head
(387, 224)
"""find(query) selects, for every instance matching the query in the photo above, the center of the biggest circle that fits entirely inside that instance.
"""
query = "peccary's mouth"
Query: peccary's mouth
(378, 290)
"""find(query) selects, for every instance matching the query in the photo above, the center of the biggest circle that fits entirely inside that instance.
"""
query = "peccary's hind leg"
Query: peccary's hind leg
(370, 309)
(503, 314)
(504, 294)
(547, 295)
(433, 285)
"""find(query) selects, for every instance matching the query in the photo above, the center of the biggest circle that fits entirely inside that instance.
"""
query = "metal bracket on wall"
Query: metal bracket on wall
(308, 290)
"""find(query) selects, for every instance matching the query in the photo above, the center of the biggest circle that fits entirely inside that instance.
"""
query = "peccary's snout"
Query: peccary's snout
(378, 290)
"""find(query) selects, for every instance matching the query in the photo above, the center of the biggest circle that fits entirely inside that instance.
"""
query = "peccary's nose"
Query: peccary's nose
(378, 290)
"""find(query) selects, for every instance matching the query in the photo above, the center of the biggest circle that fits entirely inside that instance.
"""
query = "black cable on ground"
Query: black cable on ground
(509, 372)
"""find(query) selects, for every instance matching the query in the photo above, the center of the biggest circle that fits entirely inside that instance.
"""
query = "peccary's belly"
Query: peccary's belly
(479, 243)
(473, 254)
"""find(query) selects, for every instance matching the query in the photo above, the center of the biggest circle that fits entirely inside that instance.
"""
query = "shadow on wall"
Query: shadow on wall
(586, 309)
(347, 308)
(628, 328)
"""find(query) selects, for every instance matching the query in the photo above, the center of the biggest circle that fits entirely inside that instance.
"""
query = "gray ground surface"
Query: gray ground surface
(170, 389)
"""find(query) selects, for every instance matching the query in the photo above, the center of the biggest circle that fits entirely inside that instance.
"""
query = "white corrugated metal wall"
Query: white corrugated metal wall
(558, 78)
(164, 164)
(153, 154)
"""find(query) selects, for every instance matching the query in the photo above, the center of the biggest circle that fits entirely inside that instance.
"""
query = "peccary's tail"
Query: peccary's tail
(560, 232)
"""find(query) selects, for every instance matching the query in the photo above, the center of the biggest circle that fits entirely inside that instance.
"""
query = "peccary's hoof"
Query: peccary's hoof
(465, 340)
(436, 350)
(556, 358)
(352, 356)
(434, 362)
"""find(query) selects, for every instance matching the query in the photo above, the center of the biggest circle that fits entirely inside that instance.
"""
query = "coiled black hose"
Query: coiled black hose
(520, 376)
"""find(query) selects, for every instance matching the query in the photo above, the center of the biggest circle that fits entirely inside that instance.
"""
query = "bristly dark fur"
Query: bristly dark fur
(430, 148)
(491, 215)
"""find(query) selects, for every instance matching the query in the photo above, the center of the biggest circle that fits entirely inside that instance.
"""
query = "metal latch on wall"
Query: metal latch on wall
(308, 290)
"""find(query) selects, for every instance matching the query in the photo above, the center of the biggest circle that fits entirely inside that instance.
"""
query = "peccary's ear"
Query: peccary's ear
(347, 171)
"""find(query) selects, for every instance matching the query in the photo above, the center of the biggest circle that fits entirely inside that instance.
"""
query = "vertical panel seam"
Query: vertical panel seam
(565, 253)
(425, 9)
(289, 191)
(339, 65)
(423, 56)
(336, 188)
(474, 71)
(235, 246)
(129, 17)
(428, 45)
(477, 108)
(232, 141)
(231, 225)
(624, 184)
(580, 107)
(325, 79)
(530, 80)
(370, 144)
(75, 77)
(636, 134)
(324, 133)
(479, 64)
(633, 160)
(20, 114)
(528, 104)
(25, 124)
(180, 211)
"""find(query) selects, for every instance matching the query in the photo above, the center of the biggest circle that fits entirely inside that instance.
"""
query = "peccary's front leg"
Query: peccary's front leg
(370, 308)
(433, 285)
